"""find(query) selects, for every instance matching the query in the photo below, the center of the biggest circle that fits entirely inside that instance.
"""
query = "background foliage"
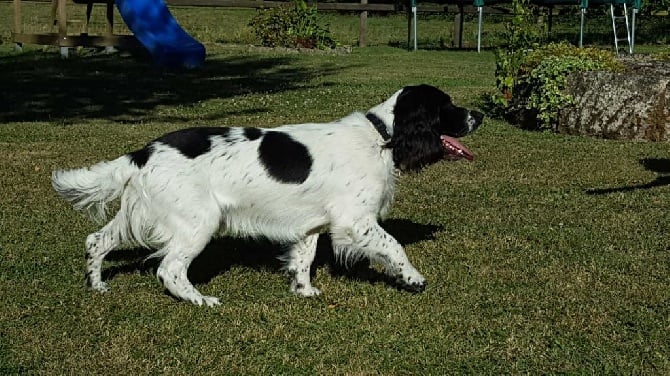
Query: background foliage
(531, 75)
(292, 26)
(536, 94)
(521, 35)
(652, 6)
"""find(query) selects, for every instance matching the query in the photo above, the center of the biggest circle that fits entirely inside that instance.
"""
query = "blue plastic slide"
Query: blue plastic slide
(153, 25)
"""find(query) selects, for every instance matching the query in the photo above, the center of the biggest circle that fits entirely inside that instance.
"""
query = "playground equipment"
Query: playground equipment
(151, 22)
(630, 25)
(617, 20)
(584, 4)
(155, 27)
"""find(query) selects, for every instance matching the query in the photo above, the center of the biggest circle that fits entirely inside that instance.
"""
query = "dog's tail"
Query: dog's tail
(90, 189)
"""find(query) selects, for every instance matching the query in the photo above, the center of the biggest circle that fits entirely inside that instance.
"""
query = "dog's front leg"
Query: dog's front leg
(367, 237)
(298, 263)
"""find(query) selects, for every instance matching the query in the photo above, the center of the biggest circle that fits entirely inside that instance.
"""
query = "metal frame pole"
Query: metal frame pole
(581, 28)
(632, 31)
(480, 10)
(414, 26)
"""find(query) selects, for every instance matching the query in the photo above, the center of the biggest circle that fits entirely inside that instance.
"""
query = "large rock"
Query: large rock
(632, 105)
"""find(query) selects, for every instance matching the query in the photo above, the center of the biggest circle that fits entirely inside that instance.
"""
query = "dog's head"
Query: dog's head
(426, 125)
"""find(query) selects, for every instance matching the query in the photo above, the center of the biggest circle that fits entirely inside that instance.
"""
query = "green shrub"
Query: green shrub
(530, 79)
(535, 91)
(545, 86)
(534, 58)
(291, 26)
(520, 35)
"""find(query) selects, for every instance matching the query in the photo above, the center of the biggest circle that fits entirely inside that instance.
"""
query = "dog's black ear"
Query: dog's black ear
(416, 139)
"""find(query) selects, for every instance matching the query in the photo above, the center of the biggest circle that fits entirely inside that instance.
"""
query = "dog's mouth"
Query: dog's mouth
(455, 150)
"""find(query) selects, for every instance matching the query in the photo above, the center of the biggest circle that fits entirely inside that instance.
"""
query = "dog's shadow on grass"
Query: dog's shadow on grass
(222, 254)
(661, 166)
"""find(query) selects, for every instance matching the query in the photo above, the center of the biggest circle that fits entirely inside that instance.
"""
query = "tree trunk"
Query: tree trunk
(633, 105)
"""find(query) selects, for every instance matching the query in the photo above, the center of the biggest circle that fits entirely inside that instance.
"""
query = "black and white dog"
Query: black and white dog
(286, 184)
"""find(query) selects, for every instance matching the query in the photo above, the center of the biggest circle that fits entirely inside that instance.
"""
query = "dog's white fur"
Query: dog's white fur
(175, 204)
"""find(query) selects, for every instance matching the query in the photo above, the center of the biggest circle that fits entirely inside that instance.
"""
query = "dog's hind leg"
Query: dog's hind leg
(173, 270)
(298, 263)
(98, 245)
(372, 241)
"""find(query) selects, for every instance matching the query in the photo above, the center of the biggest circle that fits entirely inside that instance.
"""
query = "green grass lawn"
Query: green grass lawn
(548, 254)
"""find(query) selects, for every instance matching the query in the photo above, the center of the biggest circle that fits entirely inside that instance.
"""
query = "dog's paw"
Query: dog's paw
(413, 284)
(415, 287)
(305, 291)
(98, 286)
(209, 301)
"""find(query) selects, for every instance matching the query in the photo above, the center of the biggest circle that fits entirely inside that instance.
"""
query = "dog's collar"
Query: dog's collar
(379, 124)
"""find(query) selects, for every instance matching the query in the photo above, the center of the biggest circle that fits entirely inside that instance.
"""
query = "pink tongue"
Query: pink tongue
(456, 150)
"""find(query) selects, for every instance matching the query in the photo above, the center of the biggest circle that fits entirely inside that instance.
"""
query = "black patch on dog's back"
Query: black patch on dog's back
(252, 133)
(193, 142)
(285, 159)
(190, 142)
